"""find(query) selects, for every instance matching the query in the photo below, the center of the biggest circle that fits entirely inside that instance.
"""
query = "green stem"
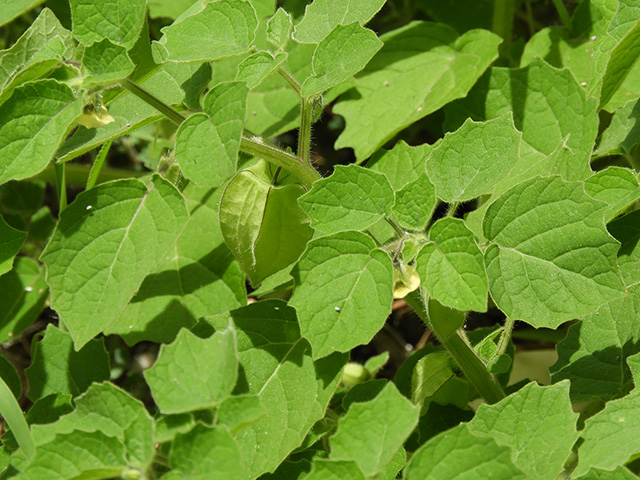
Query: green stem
(562, 12)
(10, 410)
(261, 148)
(506, 336)
(451, 211)
(290, 80)
(304, 132)
(76, 174)
(61, 185)
(170, 112)
(503, 24)
(462, 352)
(97, 164)
(396, 227)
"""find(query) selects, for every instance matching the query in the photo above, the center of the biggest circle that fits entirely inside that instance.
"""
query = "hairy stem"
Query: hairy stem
(503, 24)
(170, 112)
(304, 132)
(562, 12)
(463, 353)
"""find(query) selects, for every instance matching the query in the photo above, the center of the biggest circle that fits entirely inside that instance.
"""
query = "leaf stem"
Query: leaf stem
(396, 227)
(170, 112)
(462, 352)
(97, 164)
(259, 147)
(451, 211)
(290, 80)
(10, 410)
(506, 336)
(562, 12)
(76, 174)
(503, 24)
(61, 185)
(304, 132)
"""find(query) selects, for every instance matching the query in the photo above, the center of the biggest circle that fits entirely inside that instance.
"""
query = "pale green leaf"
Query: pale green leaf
(459, 454)
(616, 186)
(24, 295)
(205, 453)
(525, 421)
(262, 224)
(429, 375)
(386, 100)
(87, 455)
(471, 161)
(58, 368)
(106, 242)
(415, 203)
(207, 143)
(370, 439)
(612, 436)
(35, 121)
(107, 409)
(558, 124)
(627, 231)
(375, 363)
(106, 62)
(402, 164)
(594, 353)
(620, 473)
(15, 8)
(198, 277)
(343, 293)
(206, 369)
(550, 259)
(255, 68)
(276, 365)
(220, 29)
(352, 198)
(117, 20)
(451, 266)
(322, 16)
(169, 8)
(11, 412)
(279, 28)
(237, 412)
(167, 426)
(326, 469)
(621, 81)
(623, 133)
(10, 242)
(342, 54)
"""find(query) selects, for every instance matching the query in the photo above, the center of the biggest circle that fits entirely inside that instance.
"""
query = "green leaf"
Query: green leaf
(57, 368)
(415, 203)
(198, 278)
(451, 266)
(258, 219)
(326, 469)
(343, 293)
(238, 412)
(220, 29)
(279, 28)
(430, 373)
(322, 16)
(620, 473)
(24, 295)
(471, 161)
(550, 259)
(386, 100)
(616, 186)
(457, 453)
(558, 124)
(90, 455)
(35, 120)
(621, 81)
(525, 421)
(593, 354)
(342, 54)
(106, 62)
(106, 242)
(611, 436)
(207, 143)
(206, 453)
(16, 8)
(117, 20)
(402, 164)
(623, 133)
(276, 365)
(626, 231)
(352, 198)
(193, 373)
(371, 433)
(10, 409)
(109, 410)
(10, 242)
(37, 51)
(255, 68)
(167, 426)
